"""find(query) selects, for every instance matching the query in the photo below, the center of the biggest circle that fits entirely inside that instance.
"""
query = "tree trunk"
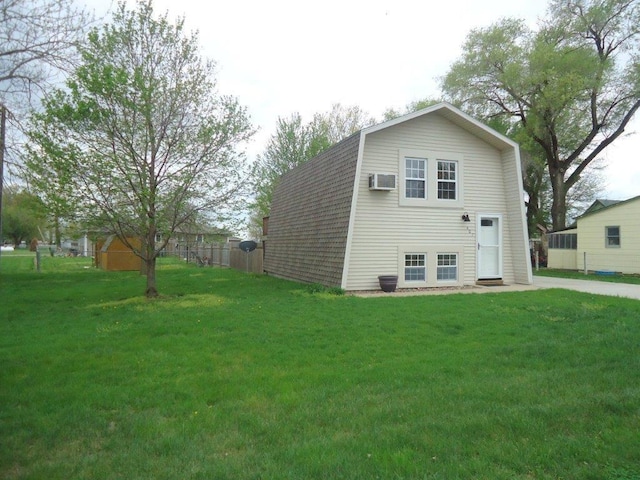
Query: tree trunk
(559, 205)
(149, 261)
(533, 214)
(151, 291)
(57, 234)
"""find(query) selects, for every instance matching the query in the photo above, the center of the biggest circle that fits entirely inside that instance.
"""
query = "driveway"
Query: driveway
(589, 286)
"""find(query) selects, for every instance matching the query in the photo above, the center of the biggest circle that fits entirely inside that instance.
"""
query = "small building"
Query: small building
(434, 197)
(113, 255)
(562, 246)
(607, 237)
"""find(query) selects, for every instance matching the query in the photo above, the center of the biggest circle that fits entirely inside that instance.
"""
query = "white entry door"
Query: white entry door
(489, 247)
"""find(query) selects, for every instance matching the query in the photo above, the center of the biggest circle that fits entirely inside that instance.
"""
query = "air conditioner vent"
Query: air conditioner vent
(382, 181)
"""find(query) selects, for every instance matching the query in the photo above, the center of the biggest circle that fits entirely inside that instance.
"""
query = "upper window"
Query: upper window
(415, 177)
(415, 267)
(430, 179)
(612, 237)
(447, 180)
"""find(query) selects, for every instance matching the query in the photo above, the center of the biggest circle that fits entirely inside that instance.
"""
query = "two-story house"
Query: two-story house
(434, 197)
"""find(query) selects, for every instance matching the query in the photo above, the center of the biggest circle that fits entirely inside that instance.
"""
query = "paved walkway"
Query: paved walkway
(587, 286)
(590, 286)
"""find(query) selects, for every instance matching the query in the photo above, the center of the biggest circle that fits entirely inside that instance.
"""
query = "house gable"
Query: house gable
(385, 229)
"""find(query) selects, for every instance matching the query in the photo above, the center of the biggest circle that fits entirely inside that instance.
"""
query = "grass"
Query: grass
(240, 376)
(617, 278)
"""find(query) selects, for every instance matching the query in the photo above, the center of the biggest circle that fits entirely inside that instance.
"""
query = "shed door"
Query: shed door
(489, 247)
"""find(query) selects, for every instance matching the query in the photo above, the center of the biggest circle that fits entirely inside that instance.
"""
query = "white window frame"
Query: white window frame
(430, 251)
(431, 159)
(415, 267)
(453, 180)
(440, 268)
(608, 237)
(424, 179)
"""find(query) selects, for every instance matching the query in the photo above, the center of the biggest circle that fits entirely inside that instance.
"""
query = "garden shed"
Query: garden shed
(112, 254)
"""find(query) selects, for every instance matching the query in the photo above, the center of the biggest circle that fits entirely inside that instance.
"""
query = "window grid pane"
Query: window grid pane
(613, 236)
(447, 268)
(415, 267)
(447, 180)
(567, 241)
(415, 177)
(415, 189)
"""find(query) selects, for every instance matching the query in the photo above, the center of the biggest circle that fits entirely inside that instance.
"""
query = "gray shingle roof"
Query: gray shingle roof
(310, 212)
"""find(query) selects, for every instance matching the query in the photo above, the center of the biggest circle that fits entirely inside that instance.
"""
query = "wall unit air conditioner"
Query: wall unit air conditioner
(382, 181)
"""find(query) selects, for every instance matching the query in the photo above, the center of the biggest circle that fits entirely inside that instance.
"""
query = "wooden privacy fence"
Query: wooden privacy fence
(223, 255)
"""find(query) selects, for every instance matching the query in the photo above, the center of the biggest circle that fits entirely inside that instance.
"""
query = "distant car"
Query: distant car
(6, 248)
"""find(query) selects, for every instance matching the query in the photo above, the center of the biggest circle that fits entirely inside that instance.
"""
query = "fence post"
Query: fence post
(585, 263)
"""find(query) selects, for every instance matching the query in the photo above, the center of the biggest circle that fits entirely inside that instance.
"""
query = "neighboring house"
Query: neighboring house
(607, 235)
(434, 197)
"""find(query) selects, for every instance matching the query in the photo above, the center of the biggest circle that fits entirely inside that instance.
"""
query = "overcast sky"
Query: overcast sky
(284, 56)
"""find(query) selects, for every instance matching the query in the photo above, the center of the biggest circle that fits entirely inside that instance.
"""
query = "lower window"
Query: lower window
(415, 267)
(447, 269)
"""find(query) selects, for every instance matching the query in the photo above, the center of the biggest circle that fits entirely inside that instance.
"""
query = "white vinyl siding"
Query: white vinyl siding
(384, 229)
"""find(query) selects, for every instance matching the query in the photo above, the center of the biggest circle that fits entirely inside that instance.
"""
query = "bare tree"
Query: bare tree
(38, 40)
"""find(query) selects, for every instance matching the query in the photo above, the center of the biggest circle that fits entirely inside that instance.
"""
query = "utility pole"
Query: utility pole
(3, 125)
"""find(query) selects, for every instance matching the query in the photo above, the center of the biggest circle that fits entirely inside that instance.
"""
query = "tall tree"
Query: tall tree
(22, 215)
(573, 85)
(144, 136)
(294, 143)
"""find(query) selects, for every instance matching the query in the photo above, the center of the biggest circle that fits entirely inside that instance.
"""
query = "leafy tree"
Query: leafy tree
(572, 86)
(414, 106)
(22, 214)
(142, 141)
(294, 143)
(53, 182)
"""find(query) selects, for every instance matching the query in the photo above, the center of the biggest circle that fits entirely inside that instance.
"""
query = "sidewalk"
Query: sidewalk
(587, 286)
(590, 286)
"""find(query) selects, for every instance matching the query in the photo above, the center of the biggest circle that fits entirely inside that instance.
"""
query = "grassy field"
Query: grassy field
(235, 376)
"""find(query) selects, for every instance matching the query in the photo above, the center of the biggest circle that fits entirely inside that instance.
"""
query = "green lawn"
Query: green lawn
(236, 376)
(617, 278)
